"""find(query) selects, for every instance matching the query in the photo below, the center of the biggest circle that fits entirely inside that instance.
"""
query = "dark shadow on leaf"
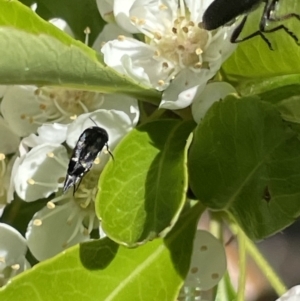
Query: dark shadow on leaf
(180, 240)
(98, 254)
(162, 200)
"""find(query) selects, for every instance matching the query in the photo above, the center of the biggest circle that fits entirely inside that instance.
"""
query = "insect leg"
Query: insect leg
(108, 150)
(270, 17)
(238, 30)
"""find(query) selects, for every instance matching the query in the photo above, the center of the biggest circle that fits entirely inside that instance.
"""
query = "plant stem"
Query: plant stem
(265, 267)
(215, 227)
(242, 265)
(275, 281)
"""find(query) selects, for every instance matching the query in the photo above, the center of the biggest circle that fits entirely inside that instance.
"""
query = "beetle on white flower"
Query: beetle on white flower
(178, 55)
(67, 219)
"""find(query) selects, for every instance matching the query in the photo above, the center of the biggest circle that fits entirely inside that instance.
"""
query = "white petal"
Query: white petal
(137, 60)
(55, 133)
(15, 168)
(158, 15)
(109, 32)
(182, 90)
(208, 262)
(212, 92)
(18, 102)
(8, 179)
(220, 47)
(197, 8)
(3, 90)
(105, 8)
(121, 13)
(118, 53)
(62, 25)
(9, 141)
(39, 173)
(12, 246)
(292, 294)
(49, 238)
(123, 103)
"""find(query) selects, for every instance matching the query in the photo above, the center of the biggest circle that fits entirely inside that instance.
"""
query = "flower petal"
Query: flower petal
(121, 13)
(3, 90)
(292, 294)
(62, 25)
(208, 262)
(137, 60)
(49, 231)
(212, 92)
(182, 90)
(197, 8)
(55, 133)
(18, 107)
(105, 8)
(9, 141)
(40, 172)
(12, 253)
(122, 103)
(13, 245)
(109, 32)
(157, 15)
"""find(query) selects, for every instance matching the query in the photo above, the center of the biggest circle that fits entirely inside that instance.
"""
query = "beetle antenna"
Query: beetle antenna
(94, 122)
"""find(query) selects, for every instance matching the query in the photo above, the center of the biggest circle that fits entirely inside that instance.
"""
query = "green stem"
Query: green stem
(242, 265)
(275, 281)
(215, 227)
(265, 267)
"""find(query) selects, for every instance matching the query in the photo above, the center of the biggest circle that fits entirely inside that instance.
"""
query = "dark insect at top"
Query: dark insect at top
(89, 144)
(221, 12)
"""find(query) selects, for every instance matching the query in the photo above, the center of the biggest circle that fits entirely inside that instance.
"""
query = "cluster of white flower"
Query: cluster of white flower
(177, 55)
(40, 126)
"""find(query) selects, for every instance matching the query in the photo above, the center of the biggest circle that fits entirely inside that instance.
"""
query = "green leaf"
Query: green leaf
(77, 13)
(253, 59)
(245, 159)
(142, 192)
(35, 52)
(272, 89)
(283, 91)
(103, 270)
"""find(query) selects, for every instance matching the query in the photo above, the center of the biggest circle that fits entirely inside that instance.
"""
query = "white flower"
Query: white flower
(12, 253)
(178, 56)
(25, 108)
(8, 146)
(208, 265)
(212, 93)
(292, 294)
(42, 169)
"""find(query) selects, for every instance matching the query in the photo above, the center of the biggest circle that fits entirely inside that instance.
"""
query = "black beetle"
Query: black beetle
(89, 144)
(222, 12)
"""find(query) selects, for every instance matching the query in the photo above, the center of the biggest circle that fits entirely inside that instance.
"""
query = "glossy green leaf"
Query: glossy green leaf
(103, 270)
(36, 52)
(77, 13)
(245, 159)
(253, 59)
(142, 191)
